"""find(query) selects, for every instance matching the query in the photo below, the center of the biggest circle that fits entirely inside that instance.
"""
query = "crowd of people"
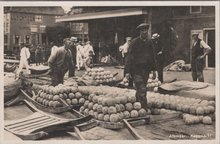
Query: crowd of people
(81, 55)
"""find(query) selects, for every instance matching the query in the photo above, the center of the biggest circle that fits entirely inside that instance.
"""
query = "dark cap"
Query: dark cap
(143, 25)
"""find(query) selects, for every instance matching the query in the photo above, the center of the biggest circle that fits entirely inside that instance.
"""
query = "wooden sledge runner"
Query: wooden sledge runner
(41, 124)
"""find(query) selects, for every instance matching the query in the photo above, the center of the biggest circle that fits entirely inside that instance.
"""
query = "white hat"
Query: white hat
(73, 38)
(128, 38)
(155, 36)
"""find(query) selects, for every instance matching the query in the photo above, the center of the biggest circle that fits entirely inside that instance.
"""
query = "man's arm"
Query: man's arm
(129, 60)
(206, 48)
(154, 64)
(71, 65)
(52, 59)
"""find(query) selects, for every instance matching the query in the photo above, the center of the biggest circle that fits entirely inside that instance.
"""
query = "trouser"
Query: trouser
(197, 69)
(23, 63)
(37, 59)
(160, 65)
(57, 76)
(79, 62)
(140, 81)
(71, 70)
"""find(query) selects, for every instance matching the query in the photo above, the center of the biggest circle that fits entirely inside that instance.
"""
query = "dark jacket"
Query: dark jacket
(61, 59)
(141, 56)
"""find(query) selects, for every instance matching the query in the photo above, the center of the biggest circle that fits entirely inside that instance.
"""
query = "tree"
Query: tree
(57, 33)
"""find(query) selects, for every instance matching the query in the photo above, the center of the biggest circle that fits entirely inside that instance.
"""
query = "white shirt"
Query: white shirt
(25, 53)
(53, 49)
(202, 44)
(79, 50)
(88, 48)
(124, 48)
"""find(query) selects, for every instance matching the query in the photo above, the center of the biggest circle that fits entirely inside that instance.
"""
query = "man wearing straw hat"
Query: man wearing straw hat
(199, 50)
(140, 62)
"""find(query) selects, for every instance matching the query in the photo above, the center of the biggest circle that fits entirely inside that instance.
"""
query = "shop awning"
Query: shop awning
(100, 15)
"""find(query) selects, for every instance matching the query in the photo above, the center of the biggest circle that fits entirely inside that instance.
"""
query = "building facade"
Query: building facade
(109, 26)
(195, 18)
(27, 25)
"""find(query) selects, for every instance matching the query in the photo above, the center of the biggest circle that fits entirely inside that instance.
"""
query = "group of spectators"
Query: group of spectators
(66, 56)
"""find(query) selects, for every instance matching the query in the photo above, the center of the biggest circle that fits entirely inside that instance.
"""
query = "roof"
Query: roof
(58, 11)
(103, 14)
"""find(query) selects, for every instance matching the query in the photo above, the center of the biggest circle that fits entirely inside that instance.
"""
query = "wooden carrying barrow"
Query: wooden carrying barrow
(27, 98)
(41, 124)
(129, 124)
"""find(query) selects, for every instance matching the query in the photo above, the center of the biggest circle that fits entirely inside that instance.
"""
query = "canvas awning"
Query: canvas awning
(100, 15)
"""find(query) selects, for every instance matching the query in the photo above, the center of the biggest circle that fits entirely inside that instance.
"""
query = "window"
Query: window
(38, 18)
(5, 39)
(27, 39)
(17, 37)
(195, 9)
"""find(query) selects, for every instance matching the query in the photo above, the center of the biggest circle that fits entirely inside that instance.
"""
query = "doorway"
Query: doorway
(210, 40)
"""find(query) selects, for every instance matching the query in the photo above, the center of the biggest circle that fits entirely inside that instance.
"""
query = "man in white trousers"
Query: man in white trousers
(24, 56)
(79, 55)
(87, 48)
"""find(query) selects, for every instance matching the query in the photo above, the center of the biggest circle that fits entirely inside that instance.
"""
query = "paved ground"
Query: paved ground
(154, 131)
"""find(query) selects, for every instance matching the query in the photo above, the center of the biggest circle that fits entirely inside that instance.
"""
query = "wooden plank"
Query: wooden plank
(11, 61)
(77, 131)
(33, 125)
(28, 130)
(26, 122)
(132, 130)
(29, 118)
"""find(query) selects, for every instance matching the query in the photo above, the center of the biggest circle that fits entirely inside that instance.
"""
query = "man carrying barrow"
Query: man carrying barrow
(60, 62)
(140, 62)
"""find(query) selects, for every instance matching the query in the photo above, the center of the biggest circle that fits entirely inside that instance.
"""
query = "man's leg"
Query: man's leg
(78, 62)
(194, 73)
(54, 78)
(141, 90)
(27, 66)
(160, 72)
(200, 76)
(199, 70)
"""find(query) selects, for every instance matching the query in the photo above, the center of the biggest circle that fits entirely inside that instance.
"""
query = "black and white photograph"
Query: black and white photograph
(112, 71)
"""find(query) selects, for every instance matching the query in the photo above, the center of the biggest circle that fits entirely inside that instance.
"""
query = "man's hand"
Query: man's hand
(159, 53)
(200, 57)
(127, 76)
(154, 75)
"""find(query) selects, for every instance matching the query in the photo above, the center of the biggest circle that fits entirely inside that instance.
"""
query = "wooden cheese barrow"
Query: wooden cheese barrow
(25, 97)
(41, 124)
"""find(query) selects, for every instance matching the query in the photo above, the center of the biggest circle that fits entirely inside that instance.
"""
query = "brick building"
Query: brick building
(196, 18)
(27, 25)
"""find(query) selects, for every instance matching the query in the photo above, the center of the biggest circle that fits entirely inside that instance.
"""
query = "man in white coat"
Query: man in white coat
(87, 48)
(79, 55)
(24, 56)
